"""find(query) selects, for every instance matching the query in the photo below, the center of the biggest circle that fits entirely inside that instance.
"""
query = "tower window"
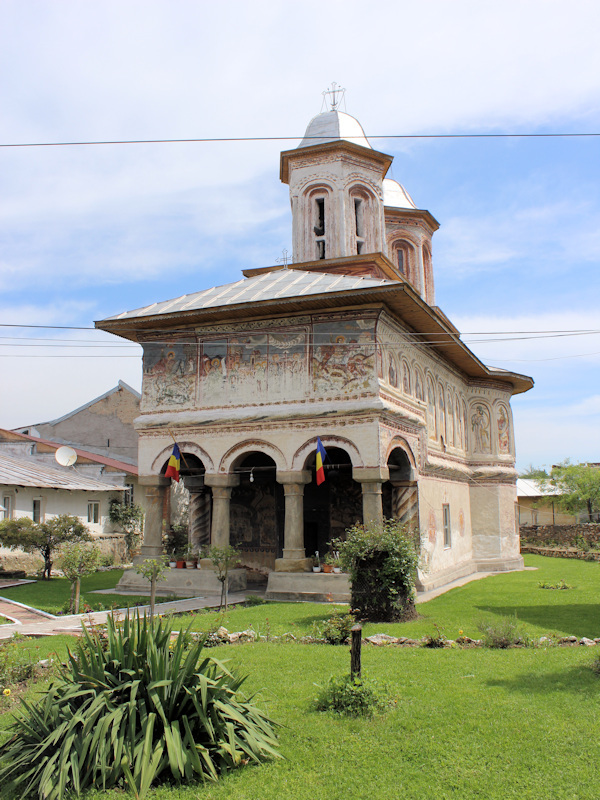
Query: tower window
(358, 216)
(400, 258)
(321, 248)
(320, 226)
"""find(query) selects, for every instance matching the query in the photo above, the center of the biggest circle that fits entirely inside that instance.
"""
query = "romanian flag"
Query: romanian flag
(321, 456)
(173, 465)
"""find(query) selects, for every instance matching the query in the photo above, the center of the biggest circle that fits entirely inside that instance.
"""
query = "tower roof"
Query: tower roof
(395, 195)
(332, 126)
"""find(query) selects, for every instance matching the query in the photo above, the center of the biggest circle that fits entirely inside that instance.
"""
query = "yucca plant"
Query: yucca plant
(134, 707)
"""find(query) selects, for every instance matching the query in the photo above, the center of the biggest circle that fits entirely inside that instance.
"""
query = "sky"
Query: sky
(89, 231)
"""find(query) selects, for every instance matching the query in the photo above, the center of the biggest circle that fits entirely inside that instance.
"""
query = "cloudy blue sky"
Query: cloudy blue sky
(86, 232)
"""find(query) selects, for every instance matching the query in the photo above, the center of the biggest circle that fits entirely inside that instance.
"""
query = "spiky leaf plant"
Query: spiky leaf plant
(134, 708)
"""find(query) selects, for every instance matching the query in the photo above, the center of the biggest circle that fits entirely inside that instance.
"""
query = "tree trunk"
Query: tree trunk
(152, 595)
(77, 594)
(72, 598)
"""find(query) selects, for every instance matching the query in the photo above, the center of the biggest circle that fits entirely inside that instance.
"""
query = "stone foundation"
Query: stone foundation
(316, 587)
(183, 582)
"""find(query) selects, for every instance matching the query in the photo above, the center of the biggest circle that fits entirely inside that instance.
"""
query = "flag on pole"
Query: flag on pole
(173, 465)
(321, 456)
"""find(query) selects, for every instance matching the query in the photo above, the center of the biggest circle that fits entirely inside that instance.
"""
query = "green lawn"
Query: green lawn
(52, 595)
(484, 724)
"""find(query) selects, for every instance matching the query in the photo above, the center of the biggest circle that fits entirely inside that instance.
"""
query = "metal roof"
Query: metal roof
(331, 126)
(280, 284)
(28, 472)
(527, 487)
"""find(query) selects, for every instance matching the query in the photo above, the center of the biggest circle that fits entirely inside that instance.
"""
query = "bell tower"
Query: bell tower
(343, 206)
(336, 188)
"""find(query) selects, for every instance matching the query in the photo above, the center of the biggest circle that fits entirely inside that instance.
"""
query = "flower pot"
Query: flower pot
(198, 565)
(337, 570)
(180, 563)
(316, 569)
(172, 564)
(190, 563)
(327, 568)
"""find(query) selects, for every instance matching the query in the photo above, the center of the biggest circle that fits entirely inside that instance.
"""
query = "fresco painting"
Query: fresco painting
(480, 425)
(503, 430)
(169, 374)
(343, 357)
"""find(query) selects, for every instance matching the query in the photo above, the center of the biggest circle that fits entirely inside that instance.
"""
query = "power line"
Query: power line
(207, 140)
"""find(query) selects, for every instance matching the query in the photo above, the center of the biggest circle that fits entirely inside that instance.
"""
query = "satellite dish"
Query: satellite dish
(65, 456)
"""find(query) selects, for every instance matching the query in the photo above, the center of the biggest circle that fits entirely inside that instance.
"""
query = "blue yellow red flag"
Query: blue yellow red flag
(321, 456)
(174, 464)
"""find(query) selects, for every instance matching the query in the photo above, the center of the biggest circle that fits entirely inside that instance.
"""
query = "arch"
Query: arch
(318, 219)
(450, 418)
(403, 254)
(428, 292)
(184, 447)
(441, 403)
(237, 452)
(419, 384)
(302, 454)
(503, 431)
(393, 373)
(431, 408)
(363, 233)
(406, 378)
(400, 443)
(459, 433)
(480, 426)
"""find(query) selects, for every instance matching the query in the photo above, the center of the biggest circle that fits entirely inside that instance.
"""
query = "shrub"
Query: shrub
(336, 630)
(562, 584)
(502, 634)
(381, 559)
(434, 640)
(353, 697)
(255, 600)
(134, 709)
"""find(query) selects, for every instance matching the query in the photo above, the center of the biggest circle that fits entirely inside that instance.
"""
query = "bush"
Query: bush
(336, 630)
(135, 707)
(381, 559)
(502, 634)
(434, 640)
(353, 697)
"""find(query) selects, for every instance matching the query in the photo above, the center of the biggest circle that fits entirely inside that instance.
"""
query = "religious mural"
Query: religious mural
(431, 409)
(480, 425)
(343, 357)
(503, 430)
(419, 393)
(169, 374)
(442, 413)
(392, 371)
(405, 377)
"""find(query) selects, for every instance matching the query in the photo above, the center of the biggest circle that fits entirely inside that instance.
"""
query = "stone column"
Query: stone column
(294, 556)
(371, 480)
(156, 487)
(221, 495)
(199, 512)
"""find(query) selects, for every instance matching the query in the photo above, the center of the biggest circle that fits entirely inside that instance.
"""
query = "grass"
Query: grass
(51, 596)
(471, 724)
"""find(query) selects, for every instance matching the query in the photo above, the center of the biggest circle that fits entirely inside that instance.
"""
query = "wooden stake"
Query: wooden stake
(355, 651)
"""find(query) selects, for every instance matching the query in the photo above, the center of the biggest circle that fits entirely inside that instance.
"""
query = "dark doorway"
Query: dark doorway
(400, 493)
(257, 510)
(334, 506)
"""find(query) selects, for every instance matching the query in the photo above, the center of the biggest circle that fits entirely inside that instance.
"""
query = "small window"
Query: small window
(447, 526)
(7, 504)
(321, 249)
(400, 259)
(320, 209)
(358, 217)
(37, 509)
(94, 512)
(128, 495)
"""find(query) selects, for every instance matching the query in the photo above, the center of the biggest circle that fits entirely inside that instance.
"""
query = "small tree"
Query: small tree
(76, 561)
(223, 559)
(152, 569)
(131, 521)
(382, 560)
(578, 487)
(43, 537)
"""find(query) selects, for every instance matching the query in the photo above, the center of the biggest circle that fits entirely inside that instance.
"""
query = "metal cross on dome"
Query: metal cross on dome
(284, 259)
(334, 96)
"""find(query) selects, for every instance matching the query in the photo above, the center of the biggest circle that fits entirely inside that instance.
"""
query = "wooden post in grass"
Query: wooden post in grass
(355, 651)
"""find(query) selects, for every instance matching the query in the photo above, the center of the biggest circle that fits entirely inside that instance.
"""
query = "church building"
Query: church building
(345, 344)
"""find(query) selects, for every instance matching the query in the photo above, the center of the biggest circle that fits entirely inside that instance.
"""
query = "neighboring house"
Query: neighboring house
(347, 345)
(34, 485)
(103, 426)
(537, 505)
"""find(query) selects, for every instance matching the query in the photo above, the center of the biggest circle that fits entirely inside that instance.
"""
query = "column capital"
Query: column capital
(298, 476)
(370, 474)
(193, 483)
(153, 480)
(221, 479)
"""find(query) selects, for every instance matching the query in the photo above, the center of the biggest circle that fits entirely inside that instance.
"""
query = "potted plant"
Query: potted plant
(191, 558)
(316, 562)
(180, 561)
(328, 565)
(172, 560)
(333, 560)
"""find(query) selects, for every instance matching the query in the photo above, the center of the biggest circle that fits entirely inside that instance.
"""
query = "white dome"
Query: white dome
(331, 126)
(395, 195)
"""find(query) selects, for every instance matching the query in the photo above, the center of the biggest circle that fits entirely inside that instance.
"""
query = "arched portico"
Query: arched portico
(400, 493)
